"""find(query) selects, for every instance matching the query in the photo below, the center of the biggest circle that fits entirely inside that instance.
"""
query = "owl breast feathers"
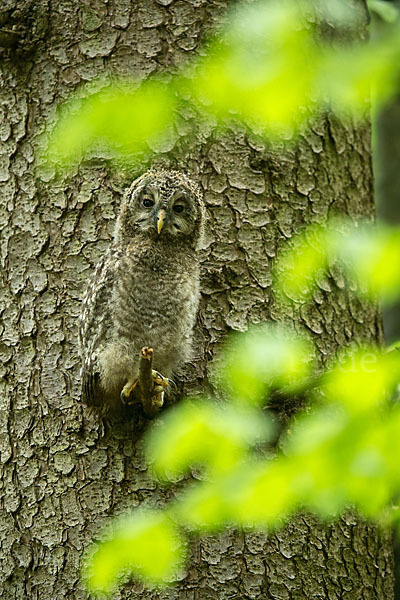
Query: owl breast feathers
(145, 289)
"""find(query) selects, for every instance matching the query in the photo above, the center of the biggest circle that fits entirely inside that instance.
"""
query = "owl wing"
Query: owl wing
(95, 324)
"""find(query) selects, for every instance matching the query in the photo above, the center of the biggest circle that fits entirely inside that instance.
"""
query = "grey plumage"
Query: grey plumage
(145, 290)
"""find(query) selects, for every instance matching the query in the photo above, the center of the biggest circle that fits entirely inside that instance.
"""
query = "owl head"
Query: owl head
(163, 205)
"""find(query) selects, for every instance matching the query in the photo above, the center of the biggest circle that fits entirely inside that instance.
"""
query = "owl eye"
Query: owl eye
(178, 208)
(147, 202)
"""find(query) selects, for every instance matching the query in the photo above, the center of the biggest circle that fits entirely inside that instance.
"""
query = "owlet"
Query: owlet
(144, 291)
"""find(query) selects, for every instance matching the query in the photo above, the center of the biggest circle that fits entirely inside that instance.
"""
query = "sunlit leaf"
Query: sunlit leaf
(368, 472)
(338, 457)
(266, 356)
(206, 507)
(298, 266)
(204, 433)
(372, 256)
(264, 66)
(315, 449)
(315, 430)
(266, 495)
(363, 379)
(147, 544)
(387, 11)
(391, 448)
(394, 346)
(255, 494)
(123, 117)
(351, 74)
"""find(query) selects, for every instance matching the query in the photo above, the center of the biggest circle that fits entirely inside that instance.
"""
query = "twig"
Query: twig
(146, 383)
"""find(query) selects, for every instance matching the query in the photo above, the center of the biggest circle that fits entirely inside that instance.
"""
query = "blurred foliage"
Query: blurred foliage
(197, 430)
(341, 451)
(266, 358)
(386, 11)
(123, 117)
(146, 544)
(370, 257)
(274, 64)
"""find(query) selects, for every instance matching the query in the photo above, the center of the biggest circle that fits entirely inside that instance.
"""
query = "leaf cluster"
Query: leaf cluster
(276, 65)
(344, 452)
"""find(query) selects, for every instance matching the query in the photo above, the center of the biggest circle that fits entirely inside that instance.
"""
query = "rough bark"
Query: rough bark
(62, 476)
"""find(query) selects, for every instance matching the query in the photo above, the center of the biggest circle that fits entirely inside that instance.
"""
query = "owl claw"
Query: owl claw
(160, 380)
(157, 397)
(160, 385)
(127, 391)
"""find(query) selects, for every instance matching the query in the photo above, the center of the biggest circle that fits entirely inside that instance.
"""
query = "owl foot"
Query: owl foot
(128, 391)
(132, 394)
(160, 385)
(148, 389)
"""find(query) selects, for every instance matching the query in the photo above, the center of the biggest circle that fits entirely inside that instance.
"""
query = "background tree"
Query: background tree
(386, 154)
(62, 474)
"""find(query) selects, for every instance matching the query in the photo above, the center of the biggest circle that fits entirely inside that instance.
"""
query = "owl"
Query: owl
(144, 292)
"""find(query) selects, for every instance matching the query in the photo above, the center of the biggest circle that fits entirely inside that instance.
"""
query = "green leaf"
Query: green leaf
(388, 12)
(204, 433)
(372, 257)
(122, 117)
(148, 544)
(206, 506)
(265, 494)
(393, 347)
(262, 69)
(298, 266)
(363, 379)
(256, 494)
(266, 356)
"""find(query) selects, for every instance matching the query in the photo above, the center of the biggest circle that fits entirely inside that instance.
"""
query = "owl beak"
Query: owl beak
(160, 220)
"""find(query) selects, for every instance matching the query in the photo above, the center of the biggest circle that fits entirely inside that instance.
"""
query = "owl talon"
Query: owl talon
(160, 385)
(157, 398)
(160, 380)
(127, 391)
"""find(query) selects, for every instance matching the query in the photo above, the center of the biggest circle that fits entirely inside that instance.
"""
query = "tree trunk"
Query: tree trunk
(62, 476)
(387, 186)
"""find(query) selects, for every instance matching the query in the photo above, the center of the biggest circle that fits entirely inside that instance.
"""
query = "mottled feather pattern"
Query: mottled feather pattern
(145, 290)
